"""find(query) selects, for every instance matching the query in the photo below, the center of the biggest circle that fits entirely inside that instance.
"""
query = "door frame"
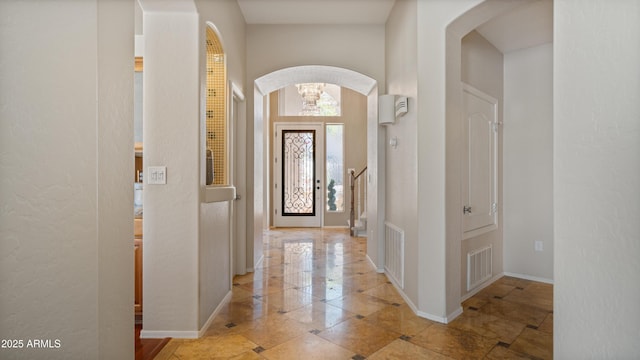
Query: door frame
(298, 221)
(238, 223)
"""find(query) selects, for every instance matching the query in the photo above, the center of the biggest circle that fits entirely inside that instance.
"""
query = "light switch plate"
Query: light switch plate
(157, 175)
(538, 246)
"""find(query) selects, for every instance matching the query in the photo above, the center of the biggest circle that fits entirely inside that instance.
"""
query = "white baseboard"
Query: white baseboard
(257, 265)
(444, 320)
(215, 313)
(496, 277)
(378, 270)
(335, 227)
(529, 277)
(482, 286)
(161, 334)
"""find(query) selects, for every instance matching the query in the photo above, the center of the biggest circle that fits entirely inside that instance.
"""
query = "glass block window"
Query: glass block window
(216, 115)
(335, 167)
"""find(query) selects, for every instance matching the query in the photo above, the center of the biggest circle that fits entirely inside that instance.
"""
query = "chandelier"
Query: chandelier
(310, 93)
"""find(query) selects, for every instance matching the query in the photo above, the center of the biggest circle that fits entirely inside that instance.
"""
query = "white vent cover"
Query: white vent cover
(394, 253)
(479, 265)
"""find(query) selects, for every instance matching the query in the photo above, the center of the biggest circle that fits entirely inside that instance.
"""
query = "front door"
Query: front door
(298, 172)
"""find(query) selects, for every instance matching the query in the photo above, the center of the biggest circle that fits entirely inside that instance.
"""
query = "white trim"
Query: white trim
(378, 270)
(457, 312)
(497, 277)
(161, 334)
(480, 287)
(257, 265)
(215, 313)
(315, 73)
(237, 92)
(529, 277)
(477, 232)
(444, 320)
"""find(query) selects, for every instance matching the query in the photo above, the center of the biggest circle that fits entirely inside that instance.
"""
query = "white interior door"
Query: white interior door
(480, 166)
(298, 168)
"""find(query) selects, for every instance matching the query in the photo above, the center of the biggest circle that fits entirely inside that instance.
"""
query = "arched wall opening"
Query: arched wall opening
(375, 163)
(456, 248)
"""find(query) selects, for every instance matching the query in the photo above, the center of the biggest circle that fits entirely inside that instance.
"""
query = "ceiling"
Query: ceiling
(528, 25)
(316, 11)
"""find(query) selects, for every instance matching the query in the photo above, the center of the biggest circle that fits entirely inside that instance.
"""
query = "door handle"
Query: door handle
(466, 210)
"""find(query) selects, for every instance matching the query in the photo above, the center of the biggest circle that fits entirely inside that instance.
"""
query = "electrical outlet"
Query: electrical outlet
(538, 246)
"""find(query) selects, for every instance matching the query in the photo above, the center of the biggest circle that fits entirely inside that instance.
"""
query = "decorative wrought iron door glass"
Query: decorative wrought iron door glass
(298, 172)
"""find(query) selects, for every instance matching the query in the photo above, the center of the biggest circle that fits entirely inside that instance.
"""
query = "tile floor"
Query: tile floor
(317, 297)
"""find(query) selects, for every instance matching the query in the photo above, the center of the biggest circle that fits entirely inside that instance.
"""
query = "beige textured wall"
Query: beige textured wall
(528, 162)
(596, 175)
(66, 144)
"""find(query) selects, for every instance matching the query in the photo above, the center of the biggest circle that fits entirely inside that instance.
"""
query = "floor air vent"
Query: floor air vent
(479, 263)
(394, 253)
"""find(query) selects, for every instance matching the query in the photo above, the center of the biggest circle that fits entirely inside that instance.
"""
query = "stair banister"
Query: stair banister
(352, 215)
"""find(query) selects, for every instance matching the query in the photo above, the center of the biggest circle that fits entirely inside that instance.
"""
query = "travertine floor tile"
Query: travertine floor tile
(215, 347)
(521, 313)
(359, 336)
(309, 347)
(403, 350)
(503, 353)
(400, 319)
(320, 315)
(536, 294)
(453, 342)
(330, 290)
(360, 304)
(488, 326)
(547, 324)
(271, 331)
(245, 310)
(317, 296)
(534, 342)
(386, 292)
(288, 300)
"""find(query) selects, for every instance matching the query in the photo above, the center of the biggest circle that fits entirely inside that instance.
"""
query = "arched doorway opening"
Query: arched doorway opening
(375, 138)
(458, 32)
